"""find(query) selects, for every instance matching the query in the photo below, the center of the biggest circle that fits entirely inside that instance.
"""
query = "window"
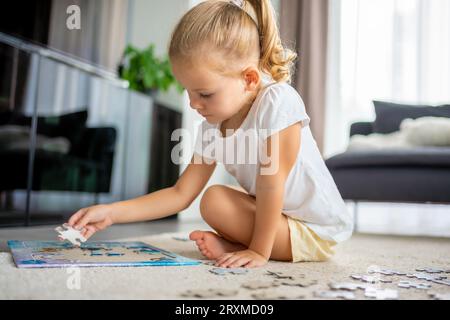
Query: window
(393, 50)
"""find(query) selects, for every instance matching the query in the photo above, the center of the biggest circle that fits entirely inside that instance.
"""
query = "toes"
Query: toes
(196, 235)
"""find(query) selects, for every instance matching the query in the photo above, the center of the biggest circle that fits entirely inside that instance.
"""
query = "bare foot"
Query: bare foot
(212, 246)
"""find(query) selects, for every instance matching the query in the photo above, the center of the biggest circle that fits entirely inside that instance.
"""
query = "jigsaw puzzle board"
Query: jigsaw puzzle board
(57, 254)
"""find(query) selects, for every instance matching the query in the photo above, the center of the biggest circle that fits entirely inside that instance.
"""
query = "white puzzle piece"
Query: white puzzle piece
(348, 286)
(209, 293)
(66, 232)
(304, 283)
(335, 294)
(276, 295)
(259, 284)
(227, 271)
(381, 294)
(439, 296)
(417, 285)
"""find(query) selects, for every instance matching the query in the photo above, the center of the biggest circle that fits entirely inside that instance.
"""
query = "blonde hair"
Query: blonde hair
(224, 28)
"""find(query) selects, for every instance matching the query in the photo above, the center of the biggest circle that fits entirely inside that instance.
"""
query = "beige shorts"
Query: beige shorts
(306, 245)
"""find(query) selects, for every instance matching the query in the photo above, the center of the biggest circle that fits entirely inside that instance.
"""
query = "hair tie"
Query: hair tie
(248, 8)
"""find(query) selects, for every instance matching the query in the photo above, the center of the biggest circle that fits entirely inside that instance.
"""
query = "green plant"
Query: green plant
(145, 72)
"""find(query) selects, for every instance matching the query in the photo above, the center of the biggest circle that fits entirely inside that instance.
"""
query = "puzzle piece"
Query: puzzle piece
(432, 270)
(66, 232)
(426, 276)
(416, 285)
(348, 286)
(258, 284)
(225, 271)
(284, 275)
(184, 239)
(381, 294)
(273, 295)
(369, 279)
(445, 282)
(439, 296)
(297, 282)
(209, 293)
(384, 271)
(335, 294)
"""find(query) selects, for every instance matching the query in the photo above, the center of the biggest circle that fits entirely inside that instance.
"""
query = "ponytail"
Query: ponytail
(275, 59)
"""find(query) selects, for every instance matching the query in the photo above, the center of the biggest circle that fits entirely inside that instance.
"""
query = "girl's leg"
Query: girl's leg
(231, 213)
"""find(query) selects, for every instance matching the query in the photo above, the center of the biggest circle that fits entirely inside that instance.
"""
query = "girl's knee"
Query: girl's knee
(210, 199)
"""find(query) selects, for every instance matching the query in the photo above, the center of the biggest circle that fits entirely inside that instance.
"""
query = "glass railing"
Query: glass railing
(67, 130)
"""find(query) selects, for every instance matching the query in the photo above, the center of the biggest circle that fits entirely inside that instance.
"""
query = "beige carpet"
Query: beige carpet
(352, 257)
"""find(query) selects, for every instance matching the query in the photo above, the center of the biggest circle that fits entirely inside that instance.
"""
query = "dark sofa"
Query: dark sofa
(420, 175)
(85, 167)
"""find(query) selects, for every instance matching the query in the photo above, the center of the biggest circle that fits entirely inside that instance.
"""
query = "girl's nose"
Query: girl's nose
(195, 106)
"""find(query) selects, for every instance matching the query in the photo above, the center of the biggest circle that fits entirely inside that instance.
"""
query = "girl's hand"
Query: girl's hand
(246, 258)
(91, 219)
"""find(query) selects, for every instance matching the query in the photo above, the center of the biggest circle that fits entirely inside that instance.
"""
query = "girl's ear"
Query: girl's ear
(252, 78)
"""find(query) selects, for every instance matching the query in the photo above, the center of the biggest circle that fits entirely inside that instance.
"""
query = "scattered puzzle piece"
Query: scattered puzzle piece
(209, 293)
(225, 271)
(381, 294)
(384, 271)
(335, 294)
(184, 239)
(426, 276)
(275, 295)
(74, 236)
(370, 279)
(297, 282)
(439, 296)
(284, 275)
(258, 284)
(445, 282)
(348, 286)
(432, 270)
(416, 285)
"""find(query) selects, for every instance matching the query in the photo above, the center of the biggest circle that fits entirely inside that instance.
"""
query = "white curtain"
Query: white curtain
(393, 50)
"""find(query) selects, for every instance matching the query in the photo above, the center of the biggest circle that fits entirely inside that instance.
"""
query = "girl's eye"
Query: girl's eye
(205, 95)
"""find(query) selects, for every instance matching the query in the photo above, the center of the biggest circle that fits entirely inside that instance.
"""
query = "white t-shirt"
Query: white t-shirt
(310, 192)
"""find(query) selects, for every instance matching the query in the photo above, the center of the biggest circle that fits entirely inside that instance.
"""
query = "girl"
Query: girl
(229, 57)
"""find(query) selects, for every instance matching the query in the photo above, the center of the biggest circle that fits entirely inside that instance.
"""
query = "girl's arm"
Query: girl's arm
(168, 201)
(282, 150)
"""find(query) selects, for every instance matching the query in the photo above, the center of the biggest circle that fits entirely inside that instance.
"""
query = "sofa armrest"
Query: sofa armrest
(363, 128)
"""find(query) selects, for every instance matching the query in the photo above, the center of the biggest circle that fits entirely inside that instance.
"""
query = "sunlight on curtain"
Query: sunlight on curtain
(393, 50)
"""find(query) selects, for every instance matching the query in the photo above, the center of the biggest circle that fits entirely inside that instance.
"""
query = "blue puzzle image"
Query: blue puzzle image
(57, 254)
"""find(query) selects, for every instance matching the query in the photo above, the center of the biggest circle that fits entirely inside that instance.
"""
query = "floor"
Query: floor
(421, 239)
(354, 257)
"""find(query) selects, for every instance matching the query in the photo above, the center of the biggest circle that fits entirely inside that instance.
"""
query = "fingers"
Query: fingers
(223, 258)
(250, 264)
(83, 221)
(230, 259)
(89, 231)
(240, 262)
(102, 225)
(75, 217)
(240, 259)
